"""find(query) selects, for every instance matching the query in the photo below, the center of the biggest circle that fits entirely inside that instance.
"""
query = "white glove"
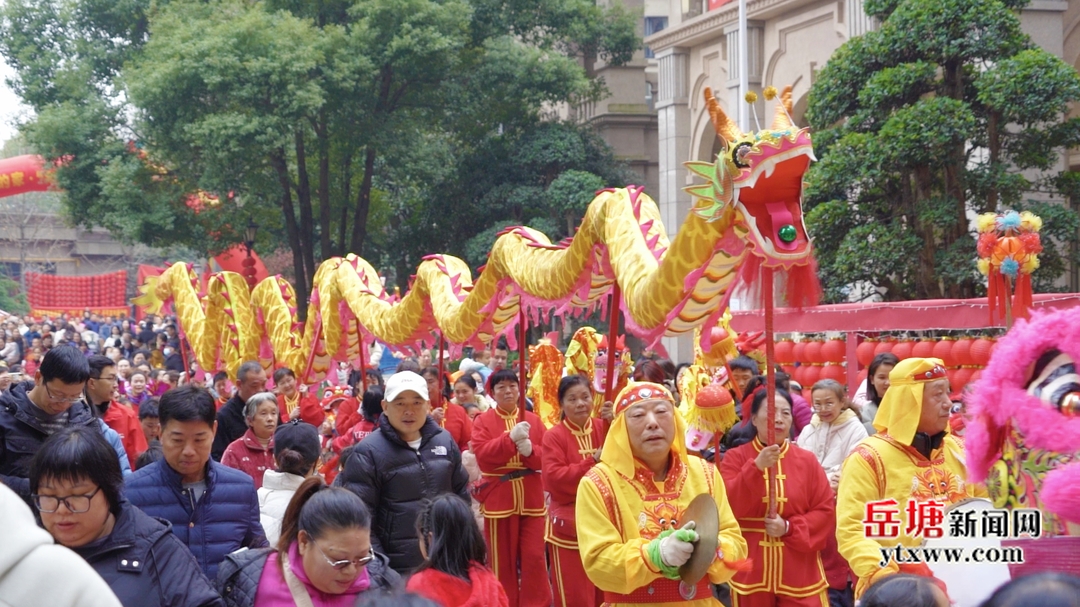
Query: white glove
(524, 447)
(519, 432)
(674, 552)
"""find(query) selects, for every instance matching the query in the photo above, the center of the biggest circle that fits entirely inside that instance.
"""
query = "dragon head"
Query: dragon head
(621, 359)
(758, 176)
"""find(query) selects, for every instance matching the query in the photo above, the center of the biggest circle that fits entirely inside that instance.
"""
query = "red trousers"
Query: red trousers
(765, 599)
(517, 542)
(569, 584)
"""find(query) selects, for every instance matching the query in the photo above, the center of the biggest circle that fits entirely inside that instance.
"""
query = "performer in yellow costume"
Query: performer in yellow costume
(630, 505)
(913, 457)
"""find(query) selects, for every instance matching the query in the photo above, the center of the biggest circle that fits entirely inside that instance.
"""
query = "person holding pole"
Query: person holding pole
(786, 546)
(508, 444)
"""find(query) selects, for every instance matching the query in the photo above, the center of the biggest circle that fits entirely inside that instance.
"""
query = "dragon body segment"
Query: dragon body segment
(668, 288)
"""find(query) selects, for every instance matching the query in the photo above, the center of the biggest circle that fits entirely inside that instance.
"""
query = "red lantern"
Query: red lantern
(923, 349)
(961, 352)
(975, 376)
(980, 351)
(902, 349)
(864, 353)
(882, 347)
(813, 352)
(789, 369)
(961, 379)
(834, 350)
(808, 394)
(943, 350)
(800, 374)
(799, 352)
(951, 374)
(834, 372)
(785, 351)
(810, 376)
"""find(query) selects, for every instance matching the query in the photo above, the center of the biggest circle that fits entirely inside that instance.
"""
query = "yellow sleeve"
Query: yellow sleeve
(612, 564)
(857, 487)
(731, 539)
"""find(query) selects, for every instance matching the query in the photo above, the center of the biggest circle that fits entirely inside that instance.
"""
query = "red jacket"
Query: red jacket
(353, 435)
(310, 409)
(497, 455)
(126, 423)
(568, 456)
(482, 590)
(247, 455)
(456, 421)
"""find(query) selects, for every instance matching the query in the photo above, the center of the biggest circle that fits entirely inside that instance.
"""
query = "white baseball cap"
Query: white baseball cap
(403, 382)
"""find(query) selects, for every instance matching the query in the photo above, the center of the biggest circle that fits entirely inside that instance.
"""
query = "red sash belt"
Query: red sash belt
(664, 590)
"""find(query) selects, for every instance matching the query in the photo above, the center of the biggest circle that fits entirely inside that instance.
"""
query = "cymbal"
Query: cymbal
(703, 511)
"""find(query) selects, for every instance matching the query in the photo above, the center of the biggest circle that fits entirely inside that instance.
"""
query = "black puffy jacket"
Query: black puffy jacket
(239, 574)
(394, 480)
(147, 566)
(21, 435)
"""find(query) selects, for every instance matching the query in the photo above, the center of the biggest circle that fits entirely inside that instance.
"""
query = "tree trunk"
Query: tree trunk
(994, 144)
(363, 202)
(303, 193)
(325, 249)
(343, 248)
(292, 231)
(925, 282)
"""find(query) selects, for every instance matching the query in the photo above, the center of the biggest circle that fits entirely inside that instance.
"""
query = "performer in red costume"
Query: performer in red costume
(293, 403)
(786, 549)
(511, 495)
(449, 415)
(571, 448)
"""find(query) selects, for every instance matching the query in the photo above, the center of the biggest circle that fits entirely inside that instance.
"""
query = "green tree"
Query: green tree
(322, 121)
(946, 111)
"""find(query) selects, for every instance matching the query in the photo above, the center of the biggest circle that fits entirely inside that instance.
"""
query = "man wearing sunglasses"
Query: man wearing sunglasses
(32, 411)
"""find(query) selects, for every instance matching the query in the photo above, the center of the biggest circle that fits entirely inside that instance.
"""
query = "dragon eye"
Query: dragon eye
(738, 155)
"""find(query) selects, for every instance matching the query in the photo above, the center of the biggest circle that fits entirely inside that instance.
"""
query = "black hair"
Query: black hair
(447, 527)
(408, 364)
(1037, 590)
(371, 403)
(316, 508)
(668, 367)
(466, 379)
(188, 403)
(900, 590)
(76, 453)
(374, 377)
(382, 599)
(570, 381)
(279, 375)
(745, 363)
(66, 363)
(499, 377)
(152, 454)
(149, 408)
(885, 358)
(447, 389)
(763, 395)
(98, 363)
(221, 376)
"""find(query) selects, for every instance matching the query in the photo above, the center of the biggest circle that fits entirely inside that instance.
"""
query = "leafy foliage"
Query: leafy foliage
(945, 111)
(338, 126)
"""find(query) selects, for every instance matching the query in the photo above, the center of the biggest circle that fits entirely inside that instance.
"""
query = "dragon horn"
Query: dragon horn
(725, 128)
(782, 119)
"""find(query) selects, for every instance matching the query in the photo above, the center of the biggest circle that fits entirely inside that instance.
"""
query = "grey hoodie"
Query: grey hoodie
(34, 571)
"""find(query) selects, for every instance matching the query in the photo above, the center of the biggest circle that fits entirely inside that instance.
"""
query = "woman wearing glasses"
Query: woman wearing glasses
(76, 485)
(323, 558)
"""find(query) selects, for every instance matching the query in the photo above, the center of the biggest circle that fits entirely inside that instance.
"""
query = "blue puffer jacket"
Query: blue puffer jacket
(225, 519)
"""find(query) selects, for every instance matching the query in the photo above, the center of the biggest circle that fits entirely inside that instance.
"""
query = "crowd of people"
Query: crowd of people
(406, 484)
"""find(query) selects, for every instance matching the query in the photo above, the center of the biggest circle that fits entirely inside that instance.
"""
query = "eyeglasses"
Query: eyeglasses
(822, 406)
(76, 504)
(62, 399)
(111, 378)
(341, 565)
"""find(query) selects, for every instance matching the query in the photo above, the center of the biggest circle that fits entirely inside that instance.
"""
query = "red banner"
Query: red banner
(21, 174)
(46, 291)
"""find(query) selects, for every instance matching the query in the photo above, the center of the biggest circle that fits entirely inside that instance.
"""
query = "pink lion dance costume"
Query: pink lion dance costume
(1023, 436)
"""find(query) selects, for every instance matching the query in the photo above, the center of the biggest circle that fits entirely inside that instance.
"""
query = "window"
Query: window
(653, 25)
